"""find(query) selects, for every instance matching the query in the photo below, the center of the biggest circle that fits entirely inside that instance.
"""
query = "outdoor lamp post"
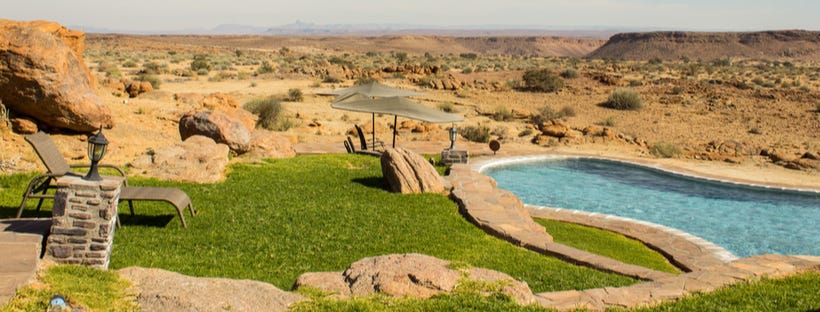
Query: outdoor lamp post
(96, 151)
(453, 137)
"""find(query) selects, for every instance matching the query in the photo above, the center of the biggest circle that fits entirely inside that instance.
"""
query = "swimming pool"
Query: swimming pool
(744, 220)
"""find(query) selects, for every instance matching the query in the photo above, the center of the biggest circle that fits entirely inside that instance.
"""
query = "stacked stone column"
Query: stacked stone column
(83, 221)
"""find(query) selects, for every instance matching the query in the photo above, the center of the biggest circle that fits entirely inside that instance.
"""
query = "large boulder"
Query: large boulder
(43, 76)
(269, 144)
(409, 275)
(407, 172)
(218, 126)
(160, 290)
(198, 159)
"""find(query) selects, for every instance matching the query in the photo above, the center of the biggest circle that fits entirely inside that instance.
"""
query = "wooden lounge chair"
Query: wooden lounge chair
(349, 146)
(368, 144)
(58, 167)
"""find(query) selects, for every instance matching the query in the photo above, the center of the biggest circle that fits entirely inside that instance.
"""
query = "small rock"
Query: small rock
(23, 125)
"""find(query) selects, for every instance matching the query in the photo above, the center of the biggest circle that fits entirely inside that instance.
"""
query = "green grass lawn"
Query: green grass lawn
(607, 244)
(274, 221)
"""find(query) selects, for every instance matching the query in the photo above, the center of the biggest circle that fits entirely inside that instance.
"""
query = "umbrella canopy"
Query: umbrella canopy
(394, 105)
(376, 89)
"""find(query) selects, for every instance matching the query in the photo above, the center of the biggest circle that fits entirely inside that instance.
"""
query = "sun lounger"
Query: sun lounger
(57, 167)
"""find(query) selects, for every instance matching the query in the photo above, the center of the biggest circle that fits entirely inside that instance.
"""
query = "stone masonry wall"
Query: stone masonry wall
(83, 221)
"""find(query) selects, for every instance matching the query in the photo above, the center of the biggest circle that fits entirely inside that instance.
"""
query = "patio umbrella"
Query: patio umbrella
(396, 106)
(373, 89)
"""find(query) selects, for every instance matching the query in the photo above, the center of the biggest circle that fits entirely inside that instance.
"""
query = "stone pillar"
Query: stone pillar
(83, 221)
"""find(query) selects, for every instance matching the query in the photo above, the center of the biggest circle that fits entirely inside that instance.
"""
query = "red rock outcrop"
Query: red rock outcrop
(43, 76)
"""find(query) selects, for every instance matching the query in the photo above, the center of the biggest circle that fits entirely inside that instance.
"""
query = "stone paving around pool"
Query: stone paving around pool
(709, 267)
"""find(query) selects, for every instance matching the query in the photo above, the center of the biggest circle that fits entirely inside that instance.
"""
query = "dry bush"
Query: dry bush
(624, 99)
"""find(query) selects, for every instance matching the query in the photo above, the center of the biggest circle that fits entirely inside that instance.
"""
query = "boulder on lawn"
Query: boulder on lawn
(407, 172)
(217, 126)
(43, 76)
(409, 275)
(198, 159)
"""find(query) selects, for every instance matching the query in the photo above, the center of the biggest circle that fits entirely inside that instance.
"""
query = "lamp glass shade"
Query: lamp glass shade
(96, 151)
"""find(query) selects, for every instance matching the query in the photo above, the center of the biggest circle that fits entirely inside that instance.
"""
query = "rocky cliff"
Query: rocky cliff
(675, 45)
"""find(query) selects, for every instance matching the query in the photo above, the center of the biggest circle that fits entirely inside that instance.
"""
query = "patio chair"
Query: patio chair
(57, 167)
(368, 144)
(349, 146)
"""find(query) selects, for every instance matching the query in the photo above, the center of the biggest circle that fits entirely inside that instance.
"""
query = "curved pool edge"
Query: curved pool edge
(683, 249)
(482, 164)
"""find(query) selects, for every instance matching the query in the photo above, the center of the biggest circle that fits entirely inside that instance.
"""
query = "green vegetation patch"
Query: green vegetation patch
(796, 293)
(276, 220)
(606, 244)
(82, 287)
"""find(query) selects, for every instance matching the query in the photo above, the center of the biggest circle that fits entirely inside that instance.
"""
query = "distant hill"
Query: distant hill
(487, 45)
(674, 45)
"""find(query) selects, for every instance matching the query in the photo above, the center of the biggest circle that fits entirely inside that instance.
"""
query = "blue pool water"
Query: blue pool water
(745, 221)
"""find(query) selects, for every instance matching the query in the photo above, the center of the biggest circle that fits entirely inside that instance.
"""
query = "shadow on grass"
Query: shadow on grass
(372, 182)
(152, 221)
(8, 212)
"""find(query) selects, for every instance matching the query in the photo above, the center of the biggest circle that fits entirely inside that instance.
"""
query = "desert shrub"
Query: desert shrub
(221, 76)
(480, 134)
(129, 64)
(768, 84)
(499, 132)
(153, 68)
(469, 56)
(513, 84)
(401, 57)
(525, 132)
(153, 80)
(363, 80)
(270, 114)
(677, 90)
(331, 79)
(569, 73)
(265, 68)
(545, 114)
(542, 80)
(502, 114)
(624, 99)
(446, 107)
(567, 111)
(635, 83)
(817, 107)
(655, 61)
(201, 63)
(665, 150)
(608, 122)
(755, 131)
(758, 81)
(295, 95)
(467, 70)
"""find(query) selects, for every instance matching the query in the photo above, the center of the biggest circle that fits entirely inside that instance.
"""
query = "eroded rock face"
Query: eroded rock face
(218, 126)
(160, 290)
(43, 76)
(198, 159)
(408, 275)
(407, 172)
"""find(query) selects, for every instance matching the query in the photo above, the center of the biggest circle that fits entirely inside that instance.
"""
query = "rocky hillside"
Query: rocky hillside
(787, 44)
(417, 44)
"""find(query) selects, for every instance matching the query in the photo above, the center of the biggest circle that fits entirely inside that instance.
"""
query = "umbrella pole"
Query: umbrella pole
(373, 130)
(395, 118)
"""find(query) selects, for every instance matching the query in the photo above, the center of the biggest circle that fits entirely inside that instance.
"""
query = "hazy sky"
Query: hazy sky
(156, 15)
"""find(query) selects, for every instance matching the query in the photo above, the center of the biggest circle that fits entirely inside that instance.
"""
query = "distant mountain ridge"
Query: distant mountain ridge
(674, 45)
(299, 28)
